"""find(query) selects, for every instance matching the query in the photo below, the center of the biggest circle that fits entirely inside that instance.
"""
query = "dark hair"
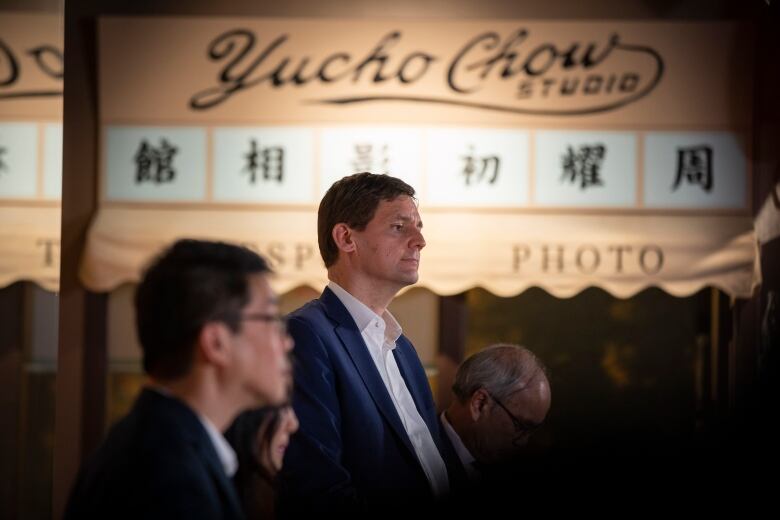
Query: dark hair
(250, 435)
(190, 284)
(353, 200)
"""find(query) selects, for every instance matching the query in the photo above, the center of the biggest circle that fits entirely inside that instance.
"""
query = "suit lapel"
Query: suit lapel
(195, 433)
(224, 485)
(173, 413)
(352, 340)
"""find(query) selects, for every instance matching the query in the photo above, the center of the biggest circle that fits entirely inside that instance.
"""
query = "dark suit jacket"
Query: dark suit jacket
(351, 451)
(158, 462)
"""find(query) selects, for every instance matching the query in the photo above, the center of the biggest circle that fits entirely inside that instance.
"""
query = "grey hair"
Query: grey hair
(501, 369)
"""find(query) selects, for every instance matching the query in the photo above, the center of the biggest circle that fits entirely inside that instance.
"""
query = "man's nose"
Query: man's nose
(418, 240)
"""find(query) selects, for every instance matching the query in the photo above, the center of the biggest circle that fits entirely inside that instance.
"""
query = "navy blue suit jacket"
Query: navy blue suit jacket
(351, 451)
(158, 462)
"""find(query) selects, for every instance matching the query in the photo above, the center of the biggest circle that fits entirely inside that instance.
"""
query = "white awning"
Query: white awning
(30, 245)
(622, 172)
(503, 253)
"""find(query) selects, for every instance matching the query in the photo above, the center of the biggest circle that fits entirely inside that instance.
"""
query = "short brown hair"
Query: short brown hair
(353, 201)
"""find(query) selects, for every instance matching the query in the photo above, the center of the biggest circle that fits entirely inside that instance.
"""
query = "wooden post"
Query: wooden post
(453, 321)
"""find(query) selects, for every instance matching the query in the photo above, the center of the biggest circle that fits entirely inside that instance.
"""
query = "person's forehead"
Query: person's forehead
(261, 293)
(535, 394)
(402, 206)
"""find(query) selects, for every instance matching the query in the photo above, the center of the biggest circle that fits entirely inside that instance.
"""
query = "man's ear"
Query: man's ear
(342, 236)
(215, 343)
(478, 404)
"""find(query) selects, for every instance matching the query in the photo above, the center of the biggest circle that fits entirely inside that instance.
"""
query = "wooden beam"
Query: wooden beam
(11, 370)
(81, 367)
(453, 324)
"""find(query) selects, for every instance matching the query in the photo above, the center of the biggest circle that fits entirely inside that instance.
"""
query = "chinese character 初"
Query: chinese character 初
(364, 160)
(155, 164)
(489, 162)
(584, 165)
(694, 166)
(268, 160)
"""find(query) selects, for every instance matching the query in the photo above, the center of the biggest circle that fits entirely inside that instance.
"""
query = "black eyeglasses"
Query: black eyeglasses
(523, 429)
(281, 321)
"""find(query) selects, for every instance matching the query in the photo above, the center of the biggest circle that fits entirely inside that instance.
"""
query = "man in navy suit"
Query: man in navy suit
(213, 345)
(369, 436)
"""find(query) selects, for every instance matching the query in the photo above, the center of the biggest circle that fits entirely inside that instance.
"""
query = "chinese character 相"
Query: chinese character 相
(268, 160)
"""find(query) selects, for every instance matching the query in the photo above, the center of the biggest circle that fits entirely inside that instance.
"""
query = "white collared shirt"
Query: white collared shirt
(380, 334)
(465, 456)
(227, 456)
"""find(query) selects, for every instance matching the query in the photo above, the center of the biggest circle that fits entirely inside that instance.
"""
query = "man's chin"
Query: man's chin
(409, 278)
(402, 280)
(273, 399)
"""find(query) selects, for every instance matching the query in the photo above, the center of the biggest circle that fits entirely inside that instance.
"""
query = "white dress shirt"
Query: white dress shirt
(466, 458)
(380, 334)
(227, 456)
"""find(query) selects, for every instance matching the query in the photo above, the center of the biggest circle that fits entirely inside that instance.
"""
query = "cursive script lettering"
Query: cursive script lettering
(474, 63)
(540, 70)
(47, 59)
(242, 70)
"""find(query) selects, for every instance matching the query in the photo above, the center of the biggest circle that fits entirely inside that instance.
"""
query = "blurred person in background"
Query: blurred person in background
(213, 345)
(502, 395)
(260, 438)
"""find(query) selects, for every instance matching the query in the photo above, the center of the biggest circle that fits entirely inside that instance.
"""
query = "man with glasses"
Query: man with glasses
(213, 345)
(502, 396)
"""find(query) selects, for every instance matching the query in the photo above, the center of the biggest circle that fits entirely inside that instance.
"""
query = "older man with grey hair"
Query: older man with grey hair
(501, 396)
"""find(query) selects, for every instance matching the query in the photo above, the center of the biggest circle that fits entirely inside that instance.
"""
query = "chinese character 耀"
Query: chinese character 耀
(486, 163)
(584, 165)
(268, 160)
(364, 160)
(155, 164)
(694, 166)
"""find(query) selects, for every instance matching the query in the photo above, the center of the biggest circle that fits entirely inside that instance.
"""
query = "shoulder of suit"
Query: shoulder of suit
(309, 309)
(312, 313)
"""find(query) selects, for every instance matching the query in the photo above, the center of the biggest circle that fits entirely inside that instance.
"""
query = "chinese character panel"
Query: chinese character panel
(474, 167)
(585, 169)
(155, 164)
(694, 170)
(348, 150)
(18, 160)
(265, 165)
(52, 161)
